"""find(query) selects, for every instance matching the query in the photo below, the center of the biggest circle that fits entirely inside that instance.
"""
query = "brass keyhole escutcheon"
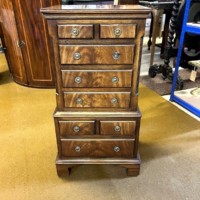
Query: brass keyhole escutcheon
(20, 43)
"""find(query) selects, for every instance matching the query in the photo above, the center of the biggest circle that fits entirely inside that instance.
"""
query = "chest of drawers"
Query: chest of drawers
(97, 53)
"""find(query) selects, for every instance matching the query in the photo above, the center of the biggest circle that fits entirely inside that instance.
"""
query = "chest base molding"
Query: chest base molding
(64, 165)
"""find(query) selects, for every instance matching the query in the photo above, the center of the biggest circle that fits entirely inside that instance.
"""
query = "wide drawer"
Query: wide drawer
(97, 99)
(117, 31)
(96, 78)
(75, 31)
(117, 127)
(67, 128)
(96, 54)
(97, 148)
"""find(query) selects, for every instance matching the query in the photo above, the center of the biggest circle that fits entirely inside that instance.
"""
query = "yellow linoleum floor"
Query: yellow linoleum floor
(169, 148)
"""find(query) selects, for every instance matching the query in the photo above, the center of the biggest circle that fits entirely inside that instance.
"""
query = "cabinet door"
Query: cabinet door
(34, 42)
(10, 37)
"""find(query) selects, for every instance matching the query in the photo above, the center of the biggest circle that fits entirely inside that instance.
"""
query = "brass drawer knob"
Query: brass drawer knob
(78, 79)
(77, 149)
(114, 100)
(77, 55)
(116, 149)
(74, 32)
(116, 55)
(76, 129)
(117, 128)
(79, 101)
(117, 32)
(115, 79)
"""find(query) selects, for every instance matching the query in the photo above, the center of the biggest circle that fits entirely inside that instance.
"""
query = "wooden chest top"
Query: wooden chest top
(136, 10)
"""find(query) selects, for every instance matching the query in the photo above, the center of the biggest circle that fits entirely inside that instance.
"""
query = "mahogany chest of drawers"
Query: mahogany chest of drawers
(97, 53)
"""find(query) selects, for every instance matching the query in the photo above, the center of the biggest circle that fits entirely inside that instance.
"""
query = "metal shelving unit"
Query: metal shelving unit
(193, 28)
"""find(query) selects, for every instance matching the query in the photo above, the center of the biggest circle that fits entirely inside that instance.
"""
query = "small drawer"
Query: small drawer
(117, 127)
(98, 148)
(97, 99)
(75, 31)
(96, 54)
(96, 78)
(117, 30)
(74, 128)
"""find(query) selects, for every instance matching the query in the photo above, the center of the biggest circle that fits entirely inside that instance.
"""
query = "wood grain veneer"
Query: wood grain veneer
(98, 148)
(117, 31)
(96, 78)
(97, 100)
(96, 54)
(11, 37)
(117, 127)
(76, 128)
(97, 84)
(26, 41)
(75, 31)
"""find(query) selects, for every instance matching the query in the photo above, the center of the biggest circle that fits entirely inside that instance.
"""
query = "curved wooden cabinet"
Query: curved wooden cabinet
(26, 41)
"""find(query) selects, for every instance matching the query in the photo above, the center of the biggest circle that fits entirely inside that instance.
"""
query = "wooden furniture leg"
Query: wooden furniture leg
(165, 33)
(133, 171)
(149, 43)
(156, 14)
(63, 170)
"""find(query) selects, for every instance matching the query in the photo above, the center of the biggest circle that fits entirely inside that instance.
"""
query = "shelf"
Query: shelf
(193, 28)
(186, 105)
(185, 98)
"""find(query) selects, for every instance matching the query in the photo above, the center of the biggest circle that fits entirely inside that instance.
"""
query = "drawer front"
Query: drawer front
(117, 127)
(95, 148)
(117, 31)
(97, 54)
(75, 31)
(74, 128)
(97, 100)
(96, 78)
